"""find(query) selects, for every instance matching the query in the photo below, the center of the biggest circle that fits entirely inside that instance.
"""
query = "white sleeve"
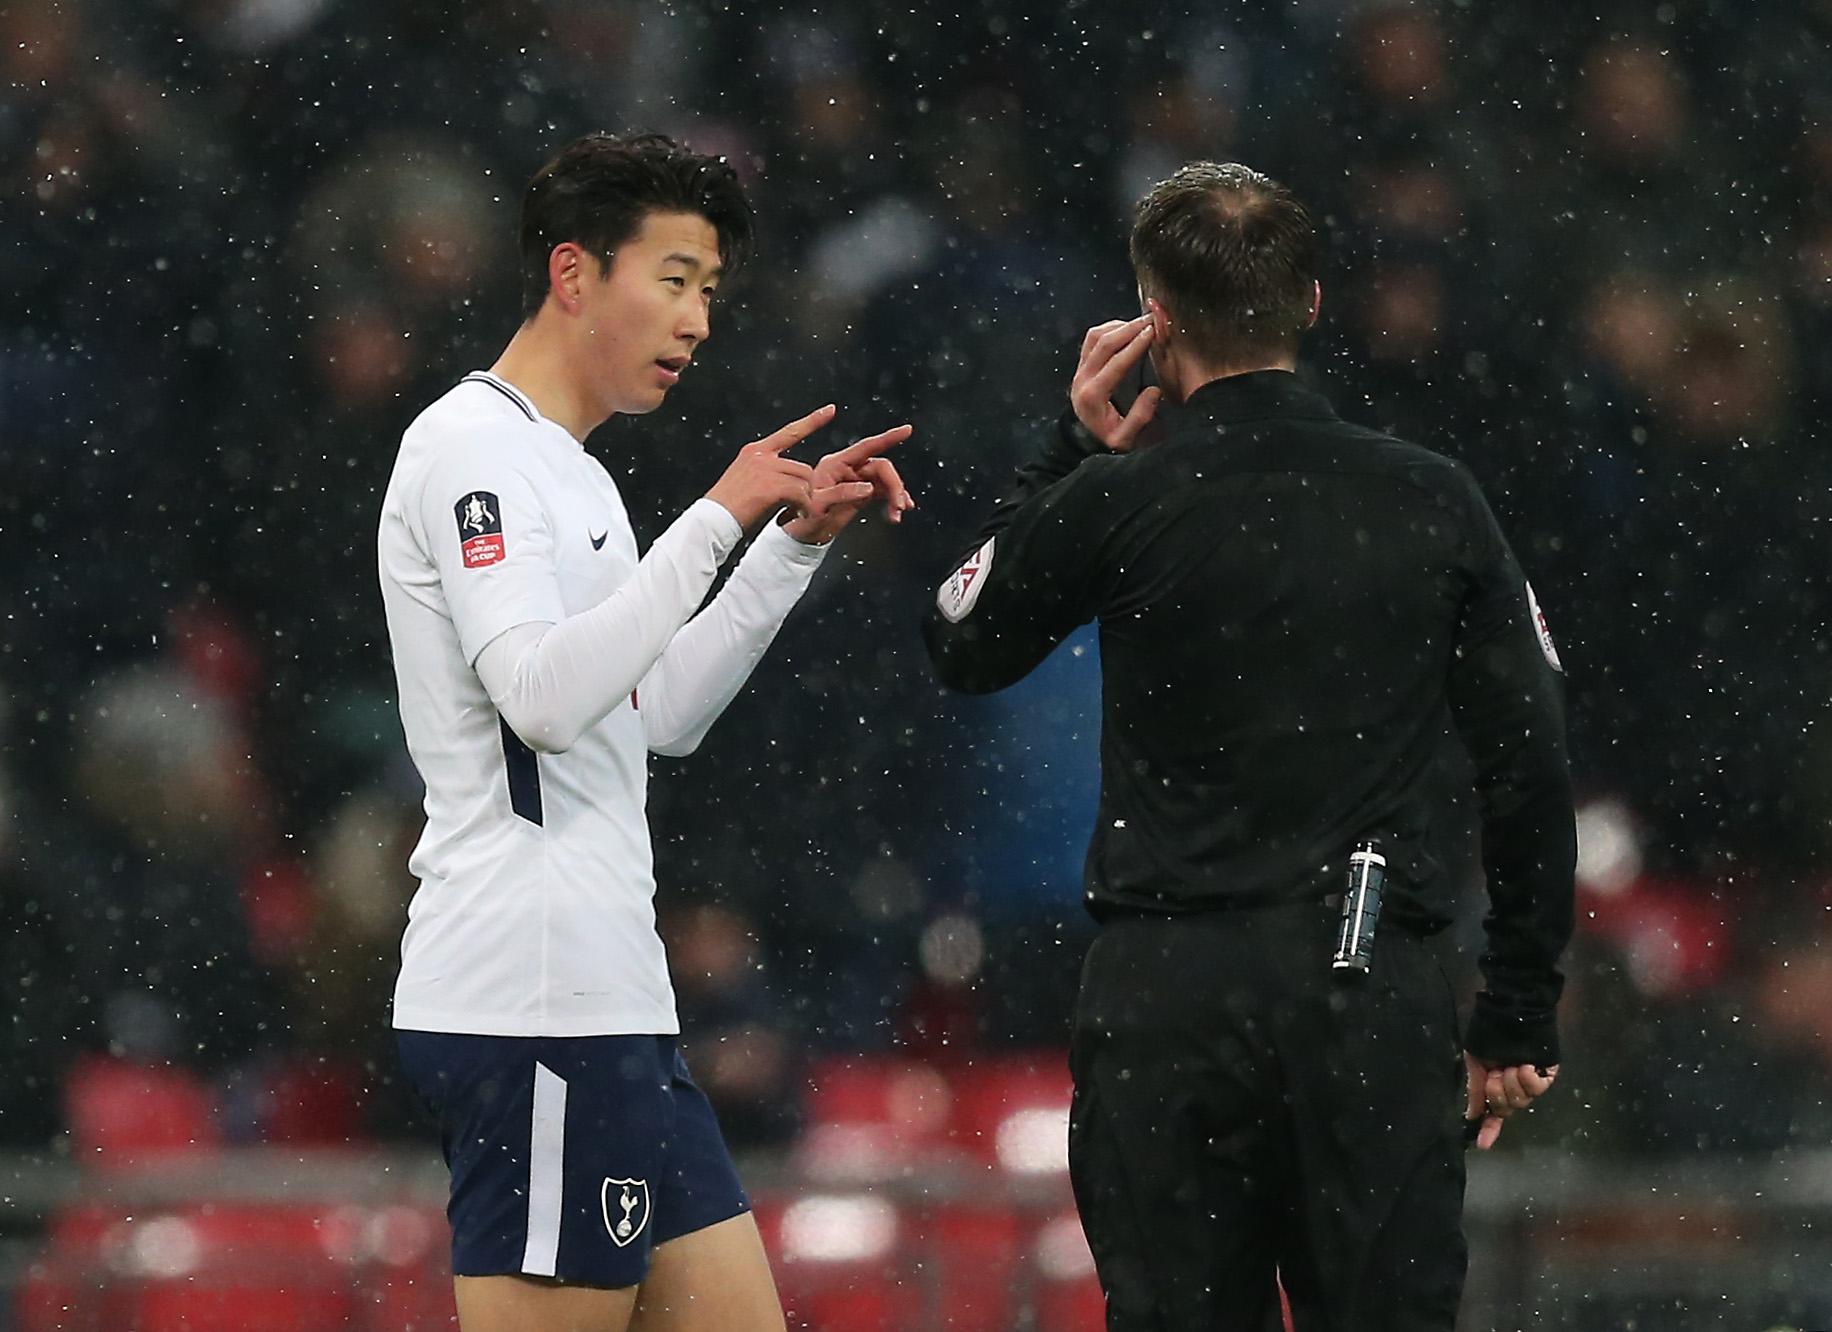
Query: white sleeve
(490, 539)
(554, 681)
(710, 659)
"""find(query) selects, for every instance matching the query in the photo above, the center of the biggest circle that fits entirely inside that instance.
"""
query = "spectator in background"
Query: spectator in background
(1190, 110)
(1632, 173)
(1786, 991)
(625, 62)
(1811, 311)
(1683, 642)
(987, 320)
(158, 944)
(1400, 85)
(200, 367)
(733, 1030)
(831, 154)
(42, 1031)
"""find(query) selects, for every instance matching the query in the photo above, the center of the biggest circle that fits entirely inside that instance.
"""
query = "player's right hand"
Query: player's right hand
(1110, 352)
(760, 480)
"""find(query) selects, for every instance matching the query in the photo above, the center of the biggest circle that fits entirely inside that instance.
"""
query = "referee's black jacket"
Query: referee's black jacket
(1292, 610)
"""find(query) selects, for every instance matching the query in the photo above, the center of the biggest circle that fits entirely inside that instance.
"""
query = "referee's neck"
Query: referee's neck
(1197, 377)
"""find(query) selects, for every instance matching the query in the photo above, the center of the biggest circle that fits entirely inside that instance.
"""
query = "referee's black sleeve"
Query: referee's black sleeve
(1032, 575)
(1507, 699)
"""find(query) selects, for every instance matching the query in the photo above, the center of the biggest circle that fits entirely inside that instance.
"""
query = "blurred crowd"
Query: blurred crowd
(1587, 251)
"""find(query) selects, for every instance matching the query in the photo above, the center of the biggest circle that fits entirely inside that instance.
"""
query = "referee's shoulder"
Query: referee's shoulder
(1426, 468)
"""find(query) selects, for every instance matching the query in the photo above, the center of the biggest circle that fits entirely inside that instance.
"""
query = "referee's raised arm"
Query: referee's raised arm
(1032, 573)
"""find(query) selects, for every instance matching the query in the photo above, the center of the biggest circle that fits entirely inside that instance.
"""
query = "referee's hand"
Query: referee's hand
(1497, 1091)
(1109, 353)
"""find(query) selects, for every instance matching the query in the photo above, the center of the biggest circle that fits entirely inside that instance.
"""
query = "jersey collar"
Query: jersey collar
(1256, 395)
(508, 390)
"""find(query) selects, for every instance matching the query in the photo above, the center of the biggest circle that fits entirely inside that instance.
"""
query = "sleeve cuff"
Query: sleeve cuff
(776, 541)
(1502, 1035)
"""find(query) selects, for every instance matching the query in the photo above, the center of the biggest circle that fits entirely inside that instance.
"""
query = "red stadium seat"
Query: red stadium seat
(1012, 1112)
(207, 1268)
(238, 1299)
(841, 1263)
(976, 1250)
(408, 1300)
(122, 1112)
(408, 1285)
(1067, 1294)
(870, 1115)
(58, 1294)
(312, 1102)
(245, 1265)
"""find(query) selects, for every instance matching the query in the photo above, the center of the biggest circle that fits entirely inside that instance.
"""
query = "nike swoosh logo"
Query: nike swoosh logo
(598, 541)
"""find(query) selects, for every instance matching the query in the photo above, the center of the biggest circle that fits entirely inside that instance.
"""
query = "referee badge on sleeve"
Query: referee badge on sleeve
(480, 529)
(1543, 631)
(955, 598)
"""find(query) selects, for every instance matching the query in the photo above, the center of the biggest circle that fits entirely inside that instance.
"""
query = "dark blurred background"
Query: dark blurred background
(1585, 249)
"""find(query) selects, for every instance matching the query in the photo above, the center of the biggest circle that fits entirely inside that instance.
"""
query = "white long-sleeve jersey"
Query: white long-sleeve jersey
(538, 663)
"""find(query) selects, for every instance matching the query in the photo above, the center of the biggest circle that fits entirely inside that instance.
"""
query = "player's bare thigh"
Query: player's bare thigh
(713, 1280)
(537, 1304)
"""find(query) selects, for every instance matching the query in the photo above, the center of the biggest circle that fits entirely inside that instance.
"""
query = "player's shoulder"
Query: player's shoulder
(478, 418)
(476, 406)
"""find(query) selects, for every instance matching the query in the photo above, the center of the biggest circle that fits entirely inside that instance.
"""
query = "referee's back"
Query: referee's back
(1293, 610)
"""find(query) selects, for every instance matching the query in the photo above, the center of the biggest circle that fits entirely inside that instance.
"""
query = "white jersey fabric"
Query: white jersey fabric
(535, 911)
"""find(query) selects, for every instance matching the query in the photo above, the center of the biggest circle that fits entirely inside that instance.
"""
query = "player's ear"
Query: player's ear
(567, 271)
(1316, 303)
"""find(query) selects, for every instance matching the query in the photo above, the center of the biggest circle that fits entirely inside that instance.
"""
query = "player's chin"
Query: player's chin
(641, 402)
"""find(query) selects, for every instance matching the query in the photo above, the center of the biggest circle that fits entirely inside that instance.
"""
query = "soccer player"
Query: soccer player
(539, 661)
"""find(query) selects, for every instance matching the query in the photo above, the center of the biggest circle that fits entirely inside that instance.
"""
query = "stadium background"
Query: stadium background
(1587, 250)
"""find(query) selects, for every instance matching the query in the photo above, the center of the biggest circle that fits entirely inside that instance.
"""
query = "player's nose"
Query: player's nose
(695, 325)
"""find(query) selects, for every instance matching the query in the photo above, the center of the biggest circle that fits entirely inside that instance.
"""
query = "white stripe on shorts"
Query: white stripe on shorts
(546, 1162)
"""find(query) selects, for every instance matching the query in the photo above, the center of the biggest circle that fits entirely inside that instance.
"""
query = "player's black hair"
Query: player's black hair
(1233, 255)
(598, 188)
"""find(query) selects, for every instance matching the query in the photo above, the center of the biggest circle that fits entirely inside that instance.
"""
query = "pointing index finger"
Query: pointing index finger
(873, 445)
(796, 431)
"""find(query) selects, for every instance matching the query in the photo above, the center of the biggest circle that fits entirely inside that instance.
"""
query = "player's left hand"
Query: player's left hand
(846, 481)
(1494, 1093)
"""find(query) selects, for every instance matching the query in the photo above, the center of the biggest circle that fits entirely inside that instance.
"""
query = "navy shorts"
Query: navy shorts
(571, 1157)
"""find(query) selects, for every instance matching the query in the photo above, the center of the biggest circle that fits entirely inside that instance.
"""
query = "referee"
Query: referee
(1293, 612)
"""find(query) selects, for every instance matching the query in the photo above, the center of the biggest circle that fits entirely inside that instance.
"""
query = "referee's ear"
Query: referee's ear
(1160, 322)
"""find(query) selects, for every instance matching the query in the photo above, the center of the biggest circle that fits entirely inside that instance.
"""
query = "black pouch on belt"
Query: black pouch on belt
(1355, 931)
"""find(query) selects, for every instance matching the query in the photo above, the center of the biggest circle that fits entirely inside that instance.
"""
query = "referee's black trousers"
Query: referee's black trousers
(1241, 1116)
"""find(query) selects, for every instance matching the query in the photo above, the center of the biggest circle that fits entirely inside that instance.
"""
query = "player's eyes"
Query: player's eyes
(681, 282)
